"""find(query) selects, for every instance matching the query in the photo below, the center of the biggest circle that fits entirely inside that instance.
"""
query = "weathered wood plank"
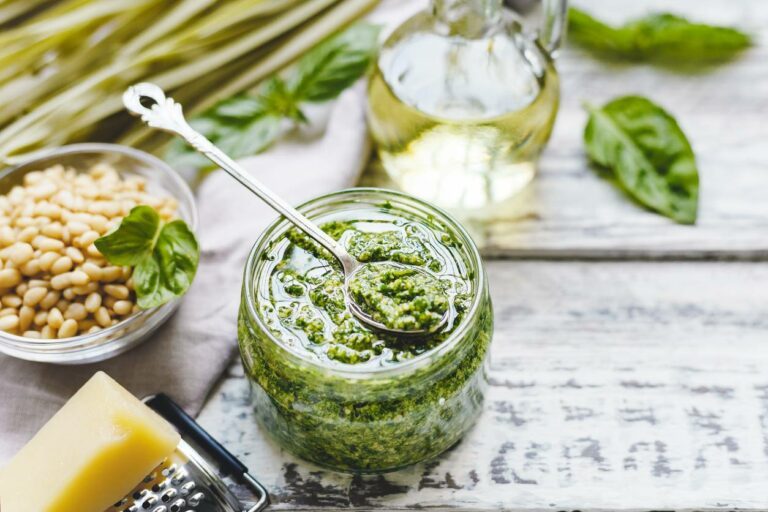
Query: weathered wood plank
(571, 210)
(614, 385)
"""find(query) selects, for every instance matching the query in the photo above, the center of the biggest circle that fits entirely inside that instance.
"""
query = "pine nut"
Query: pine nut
(93, 302)
(11, 301)
(34, 296)
(68, 329)
(61, 265)
(53, 230)
(45, 243)
(9, 323)
(31, 334)
(41, 318)
(86, 289)
(110, 274)
(26, 315)
(9, 277)
(123, 307)
(102, 317)
(27, 234)
(30, 268)
(20, 253)
(61, 281)
(47, 259)
(79, 278)
(50, 300)
(55, 318)
(74, 254)
(94, 271)
(117, 291)
(76, 311)
(48, 333)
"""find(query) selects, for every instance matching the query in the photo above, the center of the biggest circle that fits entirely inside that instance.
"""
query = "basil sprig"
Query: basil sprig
(164, 256)
(648, 153)
(664, 38)
(248, 124)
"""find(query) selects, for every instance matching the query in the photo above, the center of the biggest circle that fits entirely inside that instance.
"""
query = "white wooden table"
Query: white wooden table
(630, 358)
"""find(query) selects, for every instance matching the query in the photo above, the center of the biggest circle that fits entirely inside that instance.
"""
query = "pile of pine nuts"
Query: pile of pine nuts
(54, 282)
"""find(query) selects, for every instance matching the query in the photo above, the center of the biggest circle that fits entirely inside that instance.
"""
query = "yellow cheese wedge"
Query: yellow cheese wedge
(93, 452)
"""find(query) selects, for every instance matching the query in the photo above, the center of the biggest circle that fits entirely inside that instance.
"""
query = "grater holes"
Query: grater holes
(170, 469)
(140, 494)
(178, 477)
(187, 488)
(196, 499)
(168, 495)
(132, 508)
(161, 508)
(149, 503)
(177, 505)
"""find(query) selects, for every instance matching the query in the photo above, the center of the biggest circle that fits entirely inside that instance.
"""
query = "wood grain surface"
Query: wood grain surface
(630, 359)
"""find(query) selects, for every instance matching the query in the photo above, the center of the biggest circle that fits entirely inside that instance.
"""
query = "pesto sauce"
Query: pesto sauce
(400, 297)
(361, 424)
(306, 306)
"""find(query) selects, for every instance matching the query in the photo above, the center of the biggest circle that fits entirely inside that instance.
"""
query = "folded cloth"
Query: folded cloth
(186, 356)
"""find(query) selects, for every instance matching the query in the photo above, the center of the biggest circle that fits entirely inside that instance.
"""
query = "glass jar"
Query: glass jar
(362, 417)
(463, 101)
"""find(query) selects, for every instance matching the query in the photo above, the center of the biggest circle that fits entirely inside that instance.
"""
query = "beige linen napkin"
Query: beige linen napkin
(186, 356)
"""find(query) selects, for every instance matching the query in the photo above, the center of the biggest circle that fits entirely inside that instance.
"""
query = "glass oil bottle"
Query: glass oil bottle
(462, 102)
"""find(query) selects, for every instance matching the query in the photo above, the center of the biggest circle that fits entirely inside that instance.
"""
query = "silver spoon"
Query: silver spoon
(158, 111)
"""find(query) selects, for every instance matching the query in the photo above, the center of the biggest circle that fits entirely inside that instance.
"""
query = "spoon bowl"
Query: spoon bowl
(149, 102)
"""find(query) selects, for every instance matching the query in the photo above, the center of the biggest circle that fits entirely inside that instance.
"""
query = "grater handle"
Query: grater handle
(229, 465)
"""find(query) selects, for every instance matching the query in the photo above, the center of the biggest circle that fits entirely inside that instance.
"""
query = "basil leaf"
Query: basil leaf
(664, 38)
(133, 239)
(149, 283)
(178, 256)
(164, 257)
(327, 70)
(247, 124)
(648, 153)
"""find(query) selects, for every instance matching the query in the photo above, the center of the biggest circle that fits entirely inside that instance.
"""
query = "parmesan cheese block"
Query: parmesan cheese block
(93, 452)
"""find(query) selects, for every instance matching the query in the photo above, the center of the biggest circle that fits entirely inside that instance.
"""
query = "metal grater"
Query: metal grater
(187, 481)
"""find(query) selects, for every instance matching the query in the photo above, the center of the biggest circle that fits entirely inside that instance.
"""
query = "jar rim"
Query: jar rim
(250, 283)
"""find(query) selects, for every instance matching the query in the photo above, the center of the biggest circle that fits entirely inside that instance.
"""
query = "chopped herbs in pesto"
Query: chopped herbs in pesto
(399, 297)
(423, 280)
(333, 391)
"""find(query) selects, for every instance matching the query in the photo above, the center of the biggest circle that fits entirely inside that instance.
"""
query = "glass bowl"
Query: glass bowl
(114, 340)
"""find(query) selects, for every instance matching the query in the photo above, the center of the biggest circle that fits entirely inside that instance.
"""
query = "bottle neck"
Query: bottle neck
(467, 18)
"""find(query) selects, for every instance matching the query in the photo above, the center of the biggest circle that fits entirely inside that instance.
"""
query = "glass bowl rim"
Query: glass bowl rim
(181, 191)
(353, 372)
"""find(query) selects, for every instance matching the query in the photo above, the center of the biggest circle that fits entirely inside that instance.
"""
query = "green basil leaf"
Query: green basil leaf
(664, 37)
(335, 64)
(648, 153)
(133, 239)
(247, 124)
(164, 257)
(149, 283)
(178, 255)
(251, 139)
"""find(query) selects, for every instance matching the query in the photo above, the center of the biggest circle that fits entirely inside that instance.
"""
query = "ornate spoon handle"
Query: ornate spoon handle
(158, 111)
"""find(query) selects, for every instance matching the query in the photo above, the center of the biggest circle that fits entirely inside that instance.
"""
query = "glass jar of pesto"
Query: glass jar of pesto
(331, 390)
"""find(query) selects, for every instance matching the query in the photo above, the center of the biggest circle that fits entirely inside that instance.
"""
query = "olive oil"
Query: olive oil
(460, 115)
